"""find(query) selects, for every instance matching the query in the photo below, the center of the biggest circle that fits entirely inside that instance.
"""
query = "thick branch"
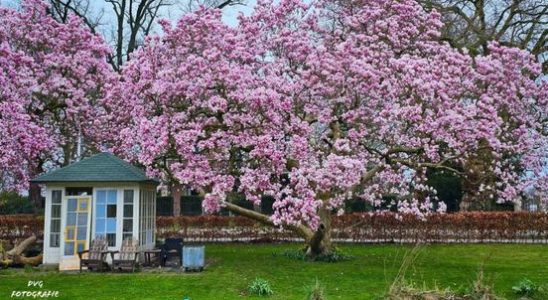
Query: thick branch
(14, 256)
(302, 230)
(18, 249)
(428, 165)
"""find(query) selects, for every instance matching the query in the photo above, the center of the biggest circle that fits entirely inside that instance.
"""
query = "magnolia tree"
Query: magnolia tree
(51, 79)
(314, 105)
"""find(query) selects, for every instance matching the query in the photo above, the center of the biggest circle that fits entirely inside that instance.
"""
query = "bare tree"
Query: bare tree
(133, 19)
(474, 23)
(191, 5)
(61, 9)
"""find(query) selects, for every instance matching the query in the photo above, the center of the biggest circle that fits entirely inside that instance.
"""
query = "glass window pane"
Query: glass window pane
(81, 233)
(54, 240)
(71, 204)
(71, 218)
(70, 233)
(56, 211)
(69, 248)
(101, 211)
(82, 219)
(80, 247)
(111, 211)
(55, 226)
(111, 238)
(128, 225)
(100, 226)
(101, 197)
(126, 236)
(83, 205)
(128, 196)
(111, 196)
(111, 225)
(56, 196)
(128, 211)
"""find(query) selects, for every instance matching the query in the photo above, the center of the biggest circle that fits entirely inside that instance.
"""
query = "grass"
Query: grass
(367, 276)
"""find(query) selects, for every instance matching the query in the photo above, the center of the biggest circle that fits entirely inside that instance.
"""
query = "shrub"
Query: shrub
(15, 227)
(359, 227)
(260, 287)
(332, 257)
(13, 203)
(291, 254)
(525, 288)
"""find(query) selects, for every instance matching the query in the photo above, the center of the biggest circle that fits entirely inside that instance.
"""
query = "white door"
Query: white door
(76, 231)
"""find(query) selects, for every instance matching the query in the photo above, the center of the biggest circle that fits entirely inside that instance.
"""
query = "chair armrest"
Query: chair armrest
(112, 253)
(103, 254)
(82, 252)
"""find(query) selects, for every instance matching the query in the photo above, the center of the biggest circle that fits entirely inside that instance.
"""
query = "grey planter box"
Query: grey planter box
(193, 257)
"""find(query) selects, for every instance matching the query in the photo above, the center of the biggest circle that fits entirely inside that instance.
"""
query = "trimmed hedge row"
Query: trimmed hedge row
(14, 227)
(469, 227)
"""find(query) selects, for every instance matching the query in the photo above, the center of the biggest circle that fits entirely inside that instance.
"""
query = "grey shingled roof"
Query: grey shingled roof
(102, 167)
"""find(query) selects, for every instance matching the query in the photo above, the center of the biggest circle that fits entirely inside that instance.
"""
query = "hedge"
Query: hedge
(469, 227)
(14, 227)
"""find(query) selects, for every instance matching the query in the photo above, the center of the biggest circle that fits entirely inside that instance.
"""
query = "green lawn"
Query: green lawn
(232, 266)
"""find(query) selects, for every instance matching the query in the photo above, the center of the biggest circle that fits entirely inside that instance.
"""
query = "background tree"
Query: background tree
(133, 19)
(316, 105)
(473, 24)
(514, 23)
(52, 79)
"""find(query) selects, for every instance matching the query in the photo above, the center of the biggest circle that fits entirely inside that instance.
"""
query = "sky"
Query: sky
(230, 14)
(173, 13)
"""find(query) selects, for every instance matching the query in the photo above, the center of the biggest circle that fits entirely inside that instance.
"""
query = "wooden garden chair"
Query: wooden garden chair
(96, 255)
(127, 256)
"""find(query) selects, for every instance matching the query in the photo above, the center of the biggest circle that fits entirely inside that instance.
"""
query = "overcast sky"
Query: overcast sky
(173, 13)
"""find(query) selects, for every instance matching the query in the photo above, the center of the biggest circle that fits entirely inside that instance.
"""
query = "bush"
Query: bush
(360, 227)
(332, 257)
(260, 287)
(525, 288)
(14, 227)
(13, 203)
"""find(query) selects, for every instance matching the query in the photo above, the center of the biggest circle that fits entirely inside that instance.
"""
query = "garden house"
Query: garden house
(98, 196)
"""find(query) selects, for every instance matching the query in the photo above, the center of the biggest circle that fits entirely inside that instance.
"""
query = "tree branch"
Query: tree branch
(302, 230)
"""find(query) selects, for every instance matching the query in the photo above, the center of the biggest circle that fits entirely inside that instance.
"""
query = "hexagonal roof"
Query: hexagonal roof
(102, 167)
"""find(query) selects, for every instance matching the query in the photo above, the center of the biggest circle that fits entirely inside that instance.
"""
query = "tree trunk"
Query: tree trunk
(15, 255)
(176, 192)
(317, 242)
(320, 243)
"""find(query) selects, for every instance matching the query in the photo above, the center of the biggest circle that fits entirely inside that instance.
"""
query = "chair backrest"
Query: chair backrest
(174, 244)
(98, 246)
(129, 247)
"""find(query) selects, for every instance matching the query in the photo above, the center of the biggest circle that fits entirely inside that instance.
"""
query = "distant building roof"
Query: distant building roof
(102, 167)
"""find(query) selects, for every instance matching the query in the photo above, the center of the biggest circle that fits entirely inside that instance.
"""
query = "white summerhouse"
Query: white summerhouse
(98, 196)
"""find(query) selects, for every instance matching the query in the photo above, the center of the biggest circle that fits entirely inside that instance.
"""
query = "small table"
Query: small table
(148, 260)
